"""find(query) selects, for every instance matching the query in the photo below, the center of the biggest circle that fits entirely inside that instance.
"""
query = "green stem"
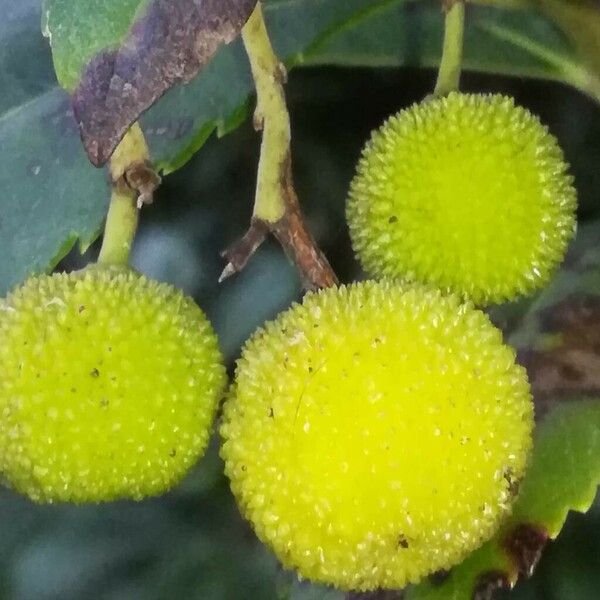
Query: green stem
(122, 219)
(449, 74)
(121, 225)
(271, 115)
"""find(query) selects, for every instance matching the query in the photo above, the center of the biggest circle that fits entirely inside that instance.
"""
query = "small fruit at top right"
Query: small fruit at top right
(468, 192)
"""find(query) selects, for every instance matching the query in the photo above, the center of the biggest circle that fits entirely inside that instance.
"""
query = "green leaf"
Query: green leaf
(559, 342)
(524, 42)
(117, 58)
(51, 195)
(25, 66)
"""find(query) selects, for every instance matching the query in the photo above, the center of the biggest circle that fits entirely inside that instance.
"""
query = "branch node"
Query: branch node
(133, 183)
(141, 177)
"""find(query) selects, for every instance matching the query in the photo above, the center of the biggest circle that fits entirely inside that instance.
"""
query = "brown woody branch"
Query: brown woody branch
(293, 235)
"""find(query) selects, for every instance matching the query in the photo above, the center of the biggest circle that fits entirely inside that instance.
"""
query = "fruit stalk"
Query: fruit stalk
(449, 74)
(276, 207)
(121, 225)
(133, 183)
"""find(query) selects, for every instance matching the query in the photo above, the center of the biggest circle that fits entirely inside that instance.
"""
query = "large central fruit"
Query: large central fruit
(375, 432)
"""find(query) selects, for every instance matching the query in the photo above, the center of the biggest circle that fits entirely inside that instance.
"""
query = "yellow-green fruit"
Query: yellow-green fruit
(109, 383)
(374, 432)
(469, 192)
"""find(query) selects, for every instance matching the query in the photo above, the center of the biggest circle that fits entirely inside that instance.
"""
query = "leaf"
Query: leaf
(51, 195)
(498, 39)
(559, 342)
(580, 21)
(118, 57)
(78, 31)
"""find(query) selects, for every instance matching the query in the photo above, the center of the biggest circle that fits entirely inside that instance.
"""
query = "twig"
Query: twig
(239, 253)
(276, 207)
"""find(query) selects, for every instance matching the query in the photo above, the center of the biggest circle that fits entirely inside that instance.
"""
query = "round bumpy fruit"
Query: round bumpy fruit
(109, 383)
(469, 192)
(374, 433)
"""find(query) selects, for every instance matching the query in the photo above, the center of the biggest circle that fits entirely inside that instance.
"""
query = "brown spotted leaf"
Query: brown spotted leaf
(118, 57)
